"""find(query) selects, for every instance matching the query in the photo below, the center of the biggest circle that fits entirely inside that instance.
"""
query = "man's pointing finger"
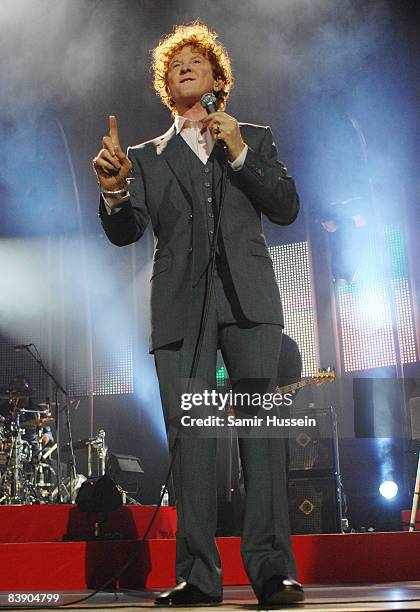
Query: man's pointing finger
(113, 130)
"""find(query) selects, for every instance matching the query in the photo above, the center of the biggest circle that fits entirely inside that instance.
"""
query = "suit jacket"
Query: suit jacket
(161, 192)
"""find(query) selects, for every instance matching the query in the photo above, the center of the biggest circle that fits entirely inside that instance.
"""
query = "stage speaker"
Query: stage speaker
(313, 447)
(99, 495)
(314, 505)
(126, 471)
(414, 404)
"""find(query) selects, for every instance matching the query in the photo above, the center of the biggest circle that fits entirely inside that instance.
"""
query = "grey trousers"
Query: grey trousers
(251, 352)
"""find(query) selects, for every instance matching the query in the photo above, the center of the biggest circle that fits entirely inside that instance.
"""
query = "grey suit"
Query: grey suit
(162, 192)
(245, 321)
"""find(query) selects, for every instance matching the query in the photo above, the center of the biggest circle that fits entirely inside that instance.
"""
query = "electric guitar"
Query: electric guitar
(317, 379)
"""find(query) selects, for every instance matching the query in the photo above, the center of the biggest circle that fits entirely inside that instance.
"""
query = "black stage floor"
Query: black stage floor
(351, 598)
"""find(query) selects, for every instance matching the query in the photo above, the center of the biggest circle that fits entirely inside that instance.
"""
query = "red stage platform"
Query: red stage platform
(51, 523)
(33, 557)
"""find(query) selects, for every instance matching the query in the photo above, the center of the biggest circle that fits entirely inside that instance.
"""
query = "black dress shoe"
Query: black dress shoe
(185, 594)
(281, 590)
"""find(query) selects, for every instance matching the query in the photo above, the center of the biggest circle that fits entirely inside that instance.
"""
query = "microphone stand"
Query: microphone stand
(73, 470)
(57, 387)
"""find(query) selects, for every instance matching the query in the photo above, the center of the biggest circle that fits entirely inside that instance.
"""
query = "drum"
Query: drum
(4, 433)
(25, 452)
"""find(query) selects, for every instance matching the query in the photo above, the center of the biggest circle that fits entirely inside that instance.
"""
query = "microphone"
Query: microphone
(209, 102)
(22, 347)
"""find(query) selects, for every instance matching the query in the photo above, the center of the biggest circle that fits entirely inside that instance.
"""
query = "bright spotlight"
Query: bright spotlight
(388, 489)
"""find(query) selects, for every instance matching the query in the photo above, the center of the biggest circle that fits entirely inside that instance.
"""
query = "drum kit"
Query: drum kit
(27, 452)
(26, 474)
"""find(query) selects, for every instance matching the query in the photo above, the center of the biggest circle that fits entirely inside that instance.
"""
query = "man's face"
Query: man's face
(190, 75)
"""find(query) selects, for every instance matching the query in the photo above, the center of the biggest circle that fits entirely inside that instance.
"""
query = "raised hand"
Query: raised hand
(111, 165)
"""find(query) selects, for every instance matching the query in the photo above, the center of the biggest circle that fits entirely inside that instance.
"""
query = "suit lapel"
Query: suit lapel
(172, 150)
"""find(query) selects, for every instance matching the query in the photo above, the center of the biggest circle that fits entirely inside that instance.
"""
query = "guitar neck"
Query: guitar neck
(294, 386)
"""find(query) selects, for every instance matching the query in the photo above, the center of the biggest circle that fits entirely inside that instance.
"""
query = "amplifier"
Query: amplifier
(314, 505)
(314, 448)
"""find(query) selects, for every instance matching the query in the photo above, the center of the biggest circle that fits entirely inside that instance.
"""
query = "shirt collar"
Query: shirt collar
(183, 122)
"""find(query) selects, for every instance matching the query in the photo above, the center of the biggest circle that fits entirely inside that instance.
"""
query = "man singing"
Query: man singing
(178, 181)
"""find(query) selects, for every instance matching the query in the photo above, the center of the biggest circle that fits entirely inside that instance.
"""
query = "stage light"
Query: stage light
(293, 275)
(365, 314)
(388, 489)
(221, 376)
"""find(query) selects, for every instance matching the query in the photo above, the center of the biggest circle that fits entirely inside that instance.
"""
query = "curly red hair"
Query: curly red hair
(205, 41)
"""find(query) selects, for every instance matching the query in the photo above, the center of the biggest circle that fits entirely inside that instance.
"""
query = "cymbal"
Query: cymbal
(37, 422)
(47, 404)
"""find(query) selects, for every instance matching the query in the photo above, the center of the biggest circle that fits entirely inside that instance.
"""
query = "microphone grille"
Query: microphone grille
(208, 99)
